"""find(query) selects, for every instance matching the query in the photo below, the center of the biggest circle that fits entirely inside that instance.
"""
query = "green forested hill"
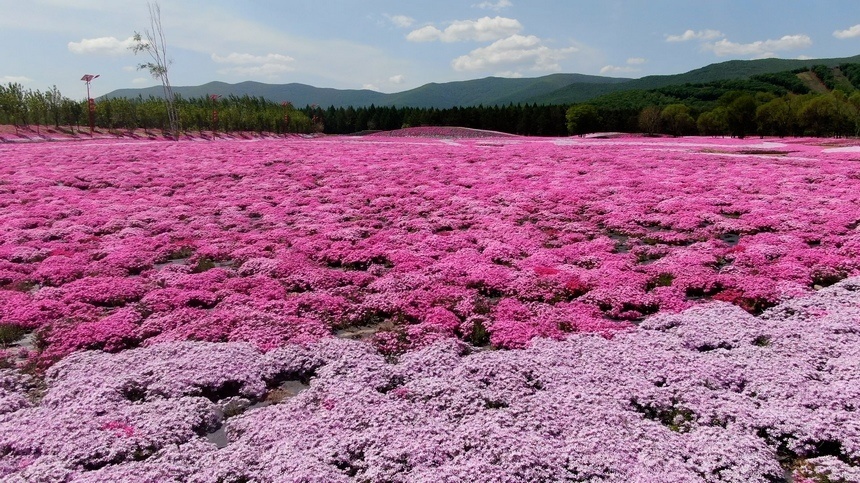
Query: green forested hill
(557, 89)
(818, 100)
(489, 91)
(730, 70)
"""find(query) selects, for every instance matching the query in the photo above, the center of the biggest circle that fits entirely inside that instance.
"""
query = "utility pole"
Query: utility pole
(91, 104)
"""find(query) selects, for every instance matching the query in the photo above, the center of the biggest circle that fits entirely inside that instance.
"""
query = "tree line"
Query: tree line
(36, 109)
(736, 113)
(779, 104)
(528, 119)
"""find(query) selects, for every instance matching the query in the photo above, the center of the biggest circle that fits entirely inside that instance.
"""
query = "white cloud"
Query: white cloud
(761, 48)
(397, 79)
(236, 58)
(498, 5)
(616, 69)
(517, 52)
(707, 34)
(401, 21)
(264, 70)
(427, 33)
(624, 69)
(483, 29)
(848, 33)
(250, 65)
(370, 87)
(101, 46)
(141, 80)
(14, 79)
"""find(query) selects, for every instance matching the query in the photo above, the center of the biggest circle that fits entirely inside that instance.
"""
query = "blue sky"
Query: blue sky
(391, 46)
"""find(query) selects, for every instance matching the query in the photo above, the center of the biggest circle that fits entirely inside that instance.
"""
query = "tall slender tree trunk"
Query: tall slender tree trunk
(155, 45)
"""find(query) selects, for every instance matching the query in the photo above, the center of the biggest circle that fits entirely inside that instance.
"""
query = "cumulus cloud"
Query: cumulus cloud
(101, 46)
(499, 5)
(617, 69)
(761, 48)
(624, 69)
(483, 29)
(397, 79)
(513, 54)
(707, 34)
(269, 65)
(236, 58)
(848, 33)
(401, 21)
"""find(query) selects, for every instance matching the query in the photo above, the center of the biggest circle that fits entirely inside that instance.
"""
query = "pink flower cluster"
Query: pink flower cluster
(111, 245)
(710, 394)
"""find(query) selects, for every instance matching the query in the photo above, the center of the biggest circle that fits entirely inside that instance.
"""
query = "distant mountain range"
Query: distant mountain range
(549, 89)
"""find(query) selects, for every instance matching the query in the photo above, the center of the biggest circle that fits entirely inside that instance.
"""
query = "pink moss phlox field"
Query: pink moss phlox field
(112, 245)
(709, 394)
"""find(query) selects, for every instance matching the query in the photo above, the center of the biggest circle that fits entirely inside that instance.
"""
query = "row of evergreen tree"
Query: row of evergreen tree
(528, 120)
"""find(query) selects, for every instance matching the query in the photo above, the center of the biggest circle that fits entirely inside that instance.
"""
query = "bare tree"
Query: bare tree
(153, 43)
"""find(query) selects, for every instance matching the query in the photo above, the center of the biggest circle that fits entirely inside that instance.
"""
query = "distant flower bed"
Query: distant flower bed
(430, 250)
(113, 245)
(442, 132)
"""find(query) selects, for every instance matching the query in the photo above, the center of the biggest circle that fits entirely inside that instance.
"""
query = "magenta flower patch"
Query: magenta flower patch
(275, 242)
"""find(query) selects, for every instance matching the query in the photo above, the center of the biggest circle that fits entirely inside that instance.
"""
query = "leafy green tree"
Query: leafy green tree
(13, 105)
(582, 119)
(714, 122)
(774, 117)
(740, 111)
(676, 120)
(649, 120)
(818, 114)
(55, 101)
(104, 114)
(37, 108)
(70, 113)
(124, 114)
(149, 114)
(846, 113)
(828, 114)
(854, 101)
